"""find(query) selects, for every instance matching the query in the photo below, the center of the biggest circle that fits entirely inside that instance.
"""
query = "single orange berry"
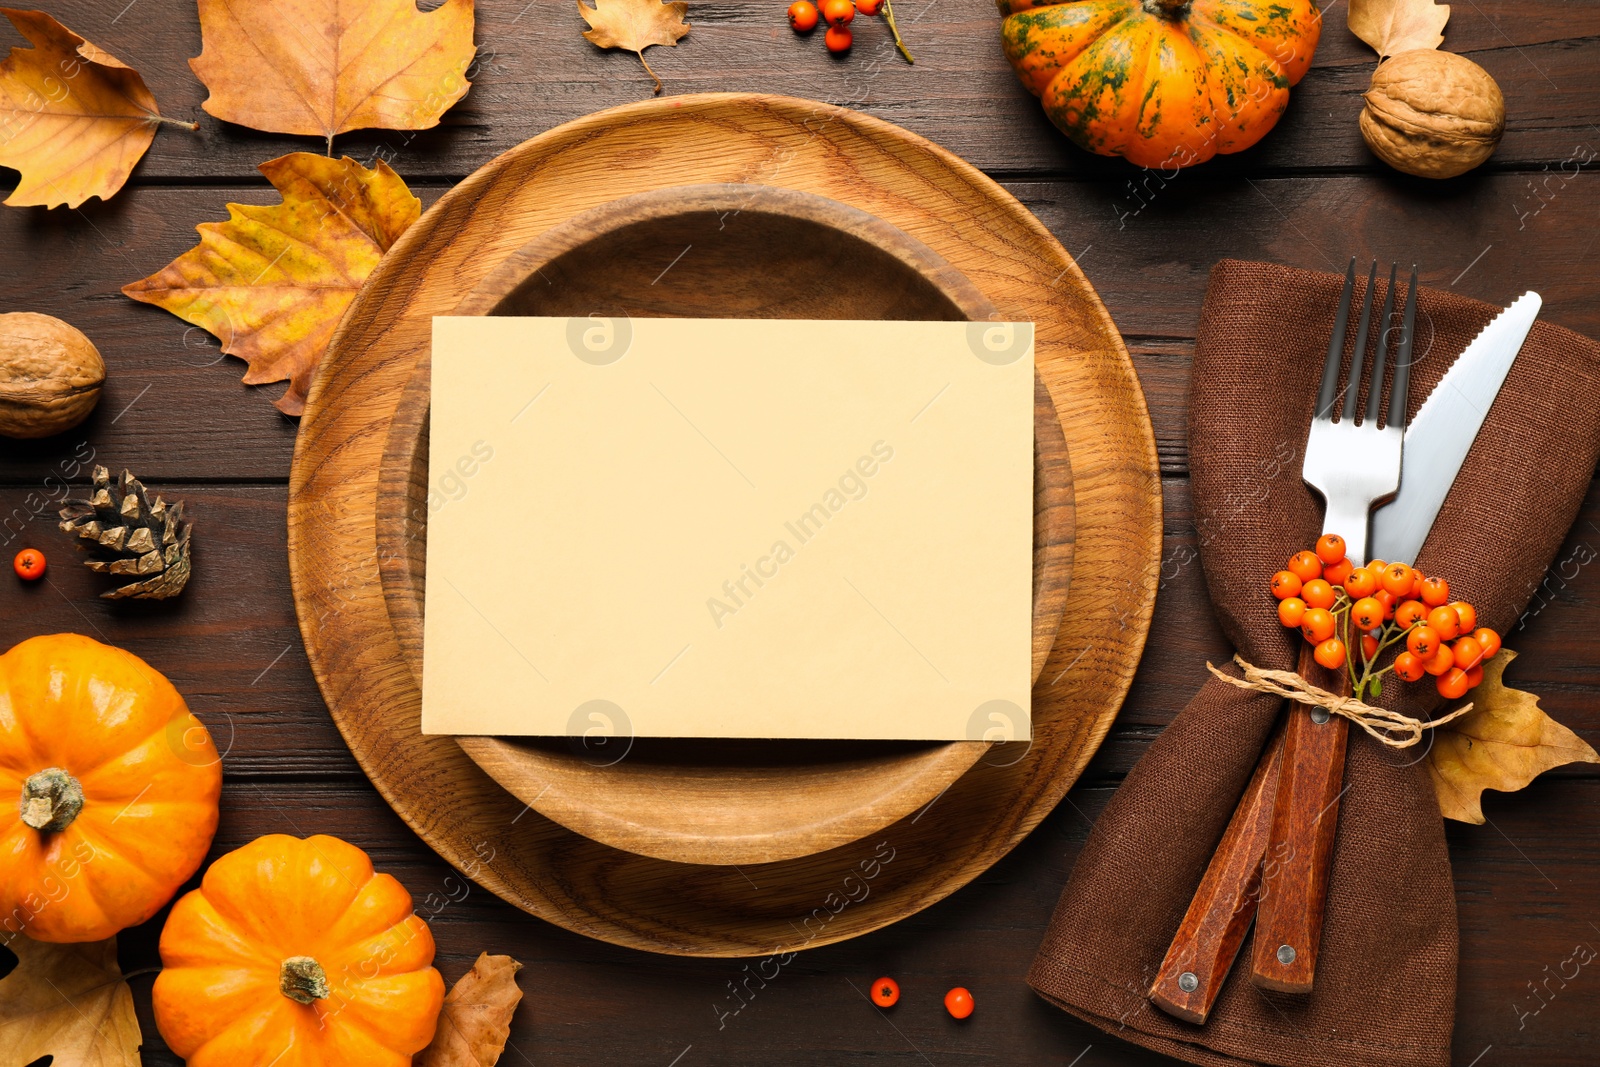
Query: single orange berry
(1338, 573)
(1330, 653)
(869, 7)
(958, 1002)
(1474, 677)
(1330, 548)
(803, 16)
(838, 39)
(1488, 639)
(1362, 582)
(29, 564)
(1397, 579)
(1435, 591)
(1291, 610)
(886, 992)
(1317, 625)
(1367, 613)
(1417, 578)
(1453, 683)
(1317, 593)
(1409, 613)
(1422, 642)
(1285, 584)
(1467, 614)
(1446, 622)
(1305, 565)
(1409, 667)
(838, 12)
(1369, 647)
(1468, 652)
(1443, 660)
(1387, 599)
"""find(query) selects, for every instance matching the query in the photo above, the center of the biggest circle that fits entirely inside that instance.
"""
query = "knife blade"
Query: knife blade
(1441, 433)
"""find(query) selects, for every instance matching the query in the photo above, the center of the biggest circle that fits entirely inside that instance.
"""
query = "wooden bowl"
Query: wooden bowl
(731, 251)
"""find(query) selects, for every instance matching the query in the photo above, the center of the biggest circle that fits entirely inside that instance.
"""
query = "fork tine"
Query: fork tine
(1330, 366)
(1402, 358)
(1375, 389)
(1358, 356)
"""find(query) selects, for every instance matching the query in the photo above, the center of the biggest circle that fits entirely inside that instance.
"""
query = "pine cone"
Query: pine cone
(128, 534)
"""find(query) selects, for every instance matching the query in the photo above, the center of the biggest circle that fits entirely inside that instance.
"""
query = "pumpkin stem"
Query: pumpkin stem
(1171, 9)
(303, 980)
(51, 799)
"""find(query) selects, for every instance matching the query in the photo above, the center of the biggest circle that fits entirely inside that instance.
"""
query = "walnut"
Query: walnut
(1433, 114)
(50, 375)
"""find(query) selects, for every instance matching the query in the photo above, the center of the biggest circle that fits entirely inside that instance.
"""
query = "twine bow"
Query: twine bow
(1389, 727)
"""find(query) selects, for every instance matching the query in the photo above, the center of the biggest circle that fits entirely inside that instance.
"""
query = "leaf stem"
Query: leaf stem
(888, 16)
(640, 54)
(174, 122)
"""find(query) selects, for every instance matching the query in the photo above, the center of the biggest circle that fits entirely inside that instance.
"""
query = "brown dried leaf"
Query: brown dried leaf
(1503, 743)
(635, 25)
(476, 1020)
(69, 1002)
(73, 118)
(1395, 26)
(326, 66)
(271, 283)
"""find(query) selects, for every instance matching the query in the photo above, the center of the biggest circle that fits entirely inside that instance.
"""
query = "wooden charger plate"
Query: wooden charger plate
(736, 251)
(716, 910)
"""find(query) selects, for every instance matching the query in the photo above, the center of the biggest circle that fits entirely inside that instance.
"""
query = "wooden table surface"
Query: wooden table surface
(1527, 883)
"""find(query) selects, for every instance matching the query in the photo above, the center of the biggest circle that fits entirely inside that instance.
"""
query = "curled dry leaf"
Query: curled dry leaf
(635, 25)
(73, 118)
(1503, 743)
(476, 1020)
(69, 1002)
(1395, 26)
(326, 66)
(271, 283)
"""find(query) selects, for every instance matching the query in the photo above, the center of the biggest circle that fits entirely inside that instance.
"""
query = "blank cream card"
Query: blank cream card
(729, 528)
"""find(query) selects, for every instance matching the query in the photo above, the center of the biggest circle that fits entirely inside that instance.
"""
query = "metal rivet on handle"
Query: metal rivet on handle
(1286, 954)
(1188, 982)
(1319, 715)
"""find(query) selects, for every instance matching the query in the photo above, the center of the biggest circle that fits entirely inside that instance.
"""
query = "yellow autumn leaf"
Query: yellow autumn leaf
(272, 282)
(635, 25)
(73, 118)
(326, 66)
(1395, 26)
(476, 1021)
(68, 1002)
(1503, 743)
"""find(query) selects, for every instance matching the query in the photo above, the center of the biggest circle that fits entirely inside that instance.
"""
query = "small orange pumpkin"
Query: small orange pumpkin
(116, 788)
(295, 953)
(1165, 83)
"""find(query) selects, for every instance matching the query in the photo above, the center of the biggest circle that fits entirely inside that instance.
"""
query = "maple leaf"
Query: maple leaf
(326, 66)
(69, 1002)
(1504, 742)
(73, 118)
(635, 25)
(272, 282)
(476, 1020)
(1395, 26)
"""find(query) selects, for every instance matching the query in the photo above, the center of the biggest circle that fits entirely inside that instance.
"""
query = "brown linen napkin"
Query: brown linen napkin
(1386, 973)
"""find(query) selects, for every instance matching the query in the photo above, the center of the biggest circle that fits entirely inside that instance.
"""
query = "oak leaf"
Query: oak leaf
(326, 66)
(635, 25)
(272, 282)
(69, 1002)
(1395, 26)
(476, 1020)
(1503, 743)
(73, 118)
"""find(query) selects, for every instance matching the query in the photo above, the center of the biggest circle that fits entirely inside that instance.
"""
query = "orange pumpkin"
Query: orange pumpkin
(294, 953)
(116, 785)
(1165, 83)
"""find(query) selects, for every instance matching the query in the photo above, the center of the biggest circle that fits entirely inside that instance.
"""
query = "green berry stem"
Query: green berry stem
(888, 16)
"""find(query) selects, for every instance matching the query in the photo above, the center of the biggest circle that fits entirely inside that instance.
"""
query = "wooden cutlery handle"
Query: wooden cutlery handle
(1207, 941)
(1294, 870)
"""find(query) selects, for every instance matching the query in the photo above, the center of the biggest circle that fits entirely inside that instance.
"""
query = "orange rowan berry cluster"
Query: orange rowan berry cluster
(1333, 602)
(805, 15)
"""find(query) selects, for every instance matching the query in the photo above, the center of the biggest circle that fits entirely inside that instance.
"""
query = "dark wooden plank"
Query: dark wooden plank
(536, 71)
(175, 406)
(1525, 895)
